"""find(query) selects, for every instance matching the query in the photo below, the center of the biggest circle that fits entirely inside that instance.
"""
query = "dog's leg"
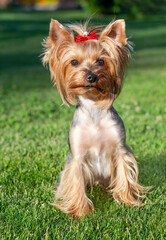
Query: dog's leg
(124, 178)
(70, 196)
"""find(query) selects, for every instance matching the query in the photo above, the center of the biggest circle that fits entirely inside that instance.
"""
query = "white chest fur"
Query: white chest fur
(94, 138)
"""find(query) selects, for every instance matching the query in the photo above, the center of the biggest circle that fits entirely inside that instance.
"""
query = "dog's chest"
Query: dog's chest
(95, 137)
(99, 141)
(96, 129)
(101, 135)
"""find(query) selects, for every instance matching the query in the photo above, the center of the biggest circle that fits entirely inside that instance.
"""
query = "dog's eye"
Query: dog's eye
(100, 62)
(75, 63)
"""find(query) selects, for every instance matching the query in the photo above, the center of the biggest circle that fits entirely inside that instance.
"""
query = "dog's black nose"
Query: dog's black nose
(91, 77)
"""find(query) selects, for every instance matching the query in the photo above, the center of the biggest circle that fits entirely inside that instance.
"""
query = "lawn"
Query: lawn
(34, 129)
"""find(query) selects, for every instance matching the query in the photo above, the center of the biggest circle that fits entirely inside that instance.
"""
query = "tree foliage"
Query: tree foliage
(131, 7)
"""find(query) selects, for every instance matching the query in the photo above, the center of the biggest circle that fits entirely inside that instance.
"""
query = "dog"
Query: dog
(88, 65)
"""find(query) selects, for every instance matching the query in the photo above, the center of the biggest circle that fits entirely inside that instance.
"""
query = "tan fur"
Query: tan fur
(124, 179)
(61, 49)
(97, 139)
(70, 196)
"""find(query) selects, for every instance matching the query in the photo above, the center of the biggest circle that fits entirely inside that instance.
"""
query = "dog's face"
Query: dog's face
(93, 68)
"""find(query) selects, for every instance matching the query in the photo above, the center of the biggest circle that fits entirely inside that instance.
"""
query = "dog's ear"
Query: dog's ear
(58, 32)
(116, 31)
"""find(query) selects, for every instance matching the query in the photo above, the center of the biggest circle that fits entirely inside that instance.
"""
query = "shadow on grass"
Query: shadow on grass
(30, 28)
(19, 60)
(152, 170)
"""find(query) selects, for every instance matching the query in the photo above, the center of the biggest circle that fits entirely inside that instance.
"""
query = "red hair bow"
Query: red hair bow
(86, 36)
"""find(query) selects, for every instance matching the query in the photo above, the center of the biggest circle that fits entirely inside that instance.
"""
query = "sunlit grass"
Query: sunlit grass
(34, 130)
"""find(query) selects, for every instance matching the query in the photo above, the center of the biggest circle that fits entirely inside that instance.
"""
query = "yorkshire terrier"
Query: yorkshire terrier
(88, 64)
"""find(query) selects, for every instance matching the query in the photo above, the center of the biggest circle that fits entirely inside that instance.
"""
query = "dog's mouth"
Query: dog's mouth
(91, 87)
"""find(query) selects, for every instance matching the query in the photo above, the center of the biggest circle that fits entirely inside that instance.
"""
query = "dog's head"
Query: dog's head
(88, 62)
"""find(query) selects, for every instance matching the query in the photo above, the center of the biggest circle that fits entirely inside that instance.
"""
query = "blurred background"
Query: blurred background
(134, 8)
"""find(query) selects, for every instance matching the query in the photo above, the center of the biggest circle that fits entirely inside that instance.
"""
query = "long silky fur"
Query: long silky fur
(71, 82)
(124, 179)
(55, 53)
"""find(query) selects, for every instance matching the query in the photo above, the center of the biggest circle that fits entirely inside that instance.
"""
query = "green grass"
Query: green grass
(34, 129)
